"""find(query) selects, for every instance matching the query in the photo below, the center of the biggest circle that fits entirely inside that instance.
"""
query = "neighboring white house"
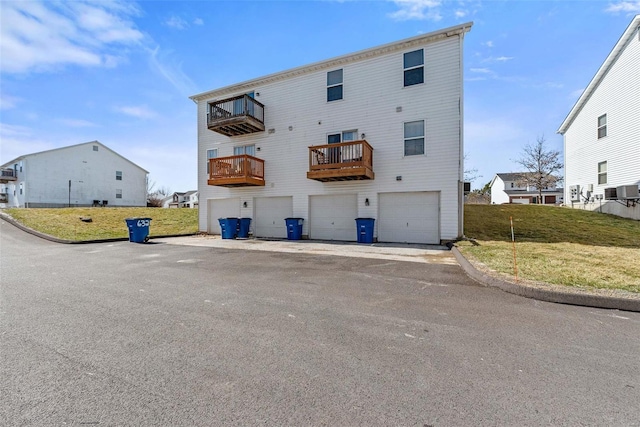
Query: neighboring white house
(182, 200)
(602, 134)
(87, 174)
(507, 188)
(377, 134)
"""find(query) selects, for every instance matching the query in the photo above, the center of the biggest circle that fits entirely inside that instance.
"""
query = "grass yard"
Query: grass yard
(106, 223)
(556, 245)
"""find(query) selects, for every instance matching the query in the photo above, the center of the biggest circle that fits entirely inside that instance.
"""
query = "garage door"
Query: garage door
(409, 217)
(333, 217)
(221, 208)
(270, 213)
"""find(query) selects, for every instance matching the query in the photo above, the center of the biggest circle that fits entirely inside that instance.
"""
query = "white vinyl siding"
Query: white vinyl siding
(297, 112)
(617, 95)
(221, 208)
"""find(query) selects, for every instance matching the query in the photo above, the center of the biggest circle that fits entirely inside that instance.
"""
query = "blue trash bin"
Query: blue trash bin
(138, 229)
(243, 228)
(365, 229)
(294, 228)
(228, 227)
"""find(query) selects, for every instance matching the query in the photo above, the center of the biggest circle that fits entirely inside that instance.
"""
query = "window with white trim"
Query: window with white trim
(602, 173)
(211, 154)
(118, 175)
(118, 193)
(414, 138)
(245, 149)
(602, 126)
(95, 148)
(334, 85)
(414, 67)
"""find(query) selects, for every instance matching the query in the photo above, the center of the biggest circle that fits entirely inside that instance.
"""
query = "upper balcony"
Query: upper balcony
(236, 171)
(7, 175)
(345, 161)
(239, 115)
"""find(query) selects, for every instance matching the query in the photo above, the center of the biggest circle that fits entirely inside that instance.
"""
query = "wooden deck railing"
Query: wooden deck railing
(340, 156)
(238, 106)
(241, 167)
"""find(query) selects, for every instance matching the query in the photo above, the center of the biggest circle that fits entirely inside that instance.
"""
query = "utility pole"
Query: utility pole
(69, 193)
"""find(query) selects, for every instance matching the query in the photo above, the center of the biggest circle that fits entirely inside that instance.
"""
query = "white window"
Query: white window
(414, 138)
(414, 67)
(334, 85)
(20, 188)
(602, 173)
(211, 154)
(118, 193)
(245, 149)
(118, 175)
(95, 148)
(602, 126)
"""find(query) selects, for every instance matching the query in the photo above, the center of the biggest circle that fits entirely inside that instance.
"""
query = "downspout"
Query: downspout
(461, 144)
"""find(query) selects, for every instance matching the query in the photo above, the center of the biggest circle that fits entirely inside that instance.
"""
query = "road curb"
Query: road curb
(549, 295)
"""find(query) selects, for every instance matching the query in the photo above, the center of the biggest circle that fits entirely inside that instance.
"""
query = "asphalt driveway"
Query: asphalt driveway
(168, 334)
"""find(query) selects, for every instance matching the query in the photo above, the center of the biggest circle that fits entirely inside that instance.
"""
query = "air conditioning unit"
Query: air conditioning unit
(610, 193)
(626, 192)
(574, 193)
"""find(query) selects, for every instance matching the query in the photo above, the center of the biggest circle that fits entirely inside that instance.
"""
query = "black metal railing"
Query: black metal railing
(238, 106)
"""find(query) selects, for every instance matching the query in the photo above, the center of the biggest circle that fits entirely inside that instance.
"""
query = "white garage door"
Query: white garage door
(333, 217)
(270, 213)
(221, 208)
(409, 217)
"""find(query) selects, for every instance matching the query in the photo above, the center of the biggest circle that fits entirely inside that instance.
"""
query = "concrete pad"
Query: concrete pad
(429, 254)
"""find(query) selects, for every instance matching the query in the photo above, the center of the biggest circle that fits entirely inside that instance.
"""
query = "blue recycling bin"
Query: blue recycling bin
(294, 228)
(138, 229)
(228, 227)
(243, 228)
(365, 229)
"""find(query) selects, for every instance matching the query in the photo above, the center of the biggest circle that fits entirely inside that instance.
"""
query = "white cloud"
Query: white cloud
(481, 70)
(176, 22)
(488, 43)
(498, 59)
(75, 123)
(417, 9)
(460, 13)
(624, 6)
(18, 141)
(137, 111)
(198, 21)
(40, 36)
(8, 102)
(161, 62)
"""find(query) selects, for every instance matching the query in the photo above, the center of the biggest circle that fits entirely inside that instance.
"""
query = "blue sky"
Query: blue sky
(121, 72)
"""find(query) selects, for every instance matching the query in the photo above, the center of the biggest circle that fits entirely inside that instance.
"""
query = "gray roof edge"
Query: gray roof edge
(72, 146)
(602, 71)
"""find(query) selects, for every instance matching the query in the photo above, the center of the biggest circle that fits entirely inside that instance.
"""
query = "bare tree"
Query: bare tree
(154, 197)
(542, 166)
(470, 175)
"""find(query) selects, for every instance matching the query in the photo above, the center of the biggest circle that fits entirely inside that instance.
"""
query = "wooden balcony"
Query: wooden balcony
(239, 115)
(7, 175)
(345, 161)
(236, 171)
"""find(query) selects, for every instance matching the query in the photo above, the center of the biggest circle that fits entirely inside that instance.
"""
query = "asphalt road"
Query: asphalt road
(123, 334)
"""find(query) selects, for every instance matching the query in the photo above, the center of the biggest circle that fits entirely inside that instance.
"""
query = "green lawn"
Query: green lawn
(555, 245)
(106, 223)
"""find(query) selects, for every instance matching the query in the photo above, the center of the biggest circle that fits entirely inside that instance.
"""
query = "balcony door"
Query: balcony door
(238, 106)
(335, 154)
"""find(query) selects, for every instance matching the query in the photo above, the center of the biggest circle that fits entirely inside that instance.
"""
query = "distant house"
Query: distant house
(182, 200)
(602, 134)
(372, 134)
(88, 174)
(507, 188)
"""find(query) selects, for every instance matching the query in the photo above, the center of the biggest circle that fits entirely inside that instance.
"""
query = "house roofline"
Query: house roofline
(71, 146)
(602, 71)
(336, 61)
